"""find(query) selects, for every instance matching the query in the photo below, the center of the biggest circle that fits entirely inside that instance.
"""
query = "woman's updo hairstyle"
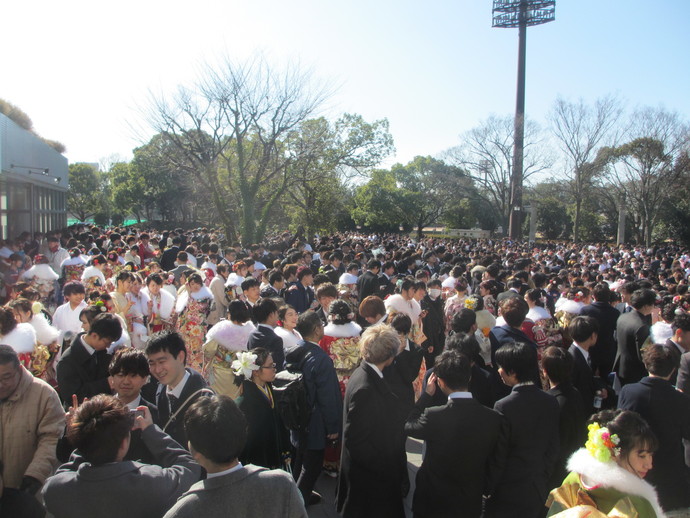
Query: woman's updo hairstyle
(632, 430)
(339, 311)
(7, 321)
(261, 355)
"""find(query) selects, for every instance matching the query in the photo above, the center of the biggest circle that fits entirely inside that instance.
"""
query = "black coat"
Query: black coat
(481, 387)
(604, 351)
(572, 428)
(368, 284)
(525, 466)
(386, 286)
(171, 423)
(683, 379)
(461, 438)
(81, 373)
(583, 379)
(667, 412)
(267, 438)
(632, 330)
(264, 336)
(401, 374)
(373, 464)
(168, 258)
(434, 329)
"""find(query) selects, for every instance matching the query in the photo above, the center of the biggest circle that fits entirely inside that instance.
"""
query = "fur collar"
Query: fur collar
(45, 333)
(348, 330)
(183, 297)
(22, 338)
(165, 304)
(92, 271)
(609, 474)
(397, 304)
(41, 271)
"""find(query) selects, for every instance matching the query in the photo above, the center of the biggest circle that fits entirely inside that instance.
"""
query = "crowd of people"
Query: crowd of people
(175, 373)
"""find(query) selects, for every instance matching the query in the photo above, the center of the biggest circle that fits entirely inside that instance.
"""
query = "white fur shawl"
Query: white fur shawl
(231, 336)
(92, 271)
(610, 474)
(183, 297)
(45, 333)
(22, 338)
(41, 271)
(397, 303)
(234, 280)
(167, 303)
(538, 313)
(342, 330)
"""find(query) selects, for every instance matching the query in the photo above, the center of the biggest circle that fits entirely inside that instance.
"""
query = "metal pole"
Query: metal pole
(518, 146)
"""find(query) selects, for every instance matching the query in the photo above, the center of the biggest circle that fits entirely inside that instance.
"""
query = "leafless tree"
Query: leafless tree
(580, 130)
(486, 154)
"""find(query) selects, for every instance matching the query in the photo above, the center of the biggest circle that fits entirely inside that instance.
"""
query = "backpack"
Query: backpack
(290, 392)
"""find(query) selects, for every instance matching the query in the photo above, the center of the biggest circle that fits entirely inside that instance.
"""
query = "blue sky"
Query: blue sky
(435, 69)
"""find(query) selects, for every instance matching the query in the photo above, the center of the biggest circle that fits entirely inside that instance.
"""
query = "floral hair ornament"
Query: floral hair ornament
(245, 364)
(471, 303)
(101, 306)
(602, 444)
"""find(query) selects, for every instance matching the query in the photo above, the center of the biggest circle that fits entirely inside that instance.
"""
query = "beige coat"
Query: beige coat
(31, 422)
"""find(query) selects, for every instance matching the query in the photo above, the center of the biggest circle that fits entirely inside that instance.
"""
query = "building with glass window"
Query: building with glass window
(33, 182)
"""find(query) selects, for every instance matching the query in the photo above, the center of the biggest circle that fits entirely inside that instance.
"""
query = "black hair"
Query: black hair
(581, 328)
(167, 341)
(261, 355)
(106, 325)
(123, 276)
(195, 278)
(239, 312)
(514, 310)
(129, 361)
(249, 283)
(463, 321)
(216, 428)
(520, 359)
(681, 322)
(8, 322)
(340, 311)
(454, 368)
(73, 287)
(465, 343)
(8, 355)
(631, 429)
(307, 323)
(263, 309)
(642, 298)
(156, 278)
(558, 364)
(98, 428)
(276, 276)
(401, 323)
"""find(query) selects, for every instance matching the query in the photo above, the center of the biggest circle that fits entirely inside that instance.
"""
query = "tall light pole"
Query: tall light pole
(520, 14)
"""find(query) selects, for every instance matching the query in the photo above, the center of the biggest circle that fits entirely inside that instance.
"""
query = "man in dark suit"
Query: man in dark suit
(276, 283)
(604, 351)
(300, 294)
(513, 291)
(680, 343)
(433, 322)
(170, 255)
(83, 368)
(405, 367)
(387, 280)
(525, 466)
(668, 413)
(556, 368)
(129, 372)
(324, 399)
(632, 330)
(369, 282)
(326, 293)
(514, 311)
(373, 464)
(266, 314)
(584, 331)
(460, 436)
(178, 387)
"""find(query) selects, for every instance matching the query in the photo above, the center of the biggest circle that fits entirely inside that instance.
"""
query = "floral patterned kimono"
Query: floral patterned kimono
(42, 278)
(341, 343)
(191, 323)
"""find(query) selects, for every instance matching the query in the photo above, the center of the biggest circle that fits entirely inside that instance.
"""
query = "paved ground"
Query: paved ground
(326, 485)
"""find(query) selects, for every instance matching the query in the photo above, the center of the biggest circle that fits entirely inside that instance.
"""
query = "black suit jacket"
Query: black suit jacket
(604, 351)
(632, 330)
(481, 387)
(368, 284)
(174, 426)
(401, 374)
(572, 428)
(386, 286)
(168, 258)
(461, 438)
(264, 336)
(683, 379)
(373, 464)
(583, 379)
(81, 373)
(525, 466)
(667, 412)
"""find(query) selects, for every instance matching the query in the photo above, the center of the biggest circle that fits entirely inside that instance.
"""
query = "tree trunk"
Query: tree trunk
(576, 222)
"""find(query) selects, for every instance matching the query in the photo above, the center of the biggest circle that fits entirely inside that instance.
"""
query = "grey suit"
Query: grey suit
(249, 491)
(126, 488)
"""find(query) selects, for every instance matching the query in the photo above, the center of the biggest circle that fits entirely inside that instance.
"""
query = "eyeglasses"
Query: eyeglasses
(272, 366)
